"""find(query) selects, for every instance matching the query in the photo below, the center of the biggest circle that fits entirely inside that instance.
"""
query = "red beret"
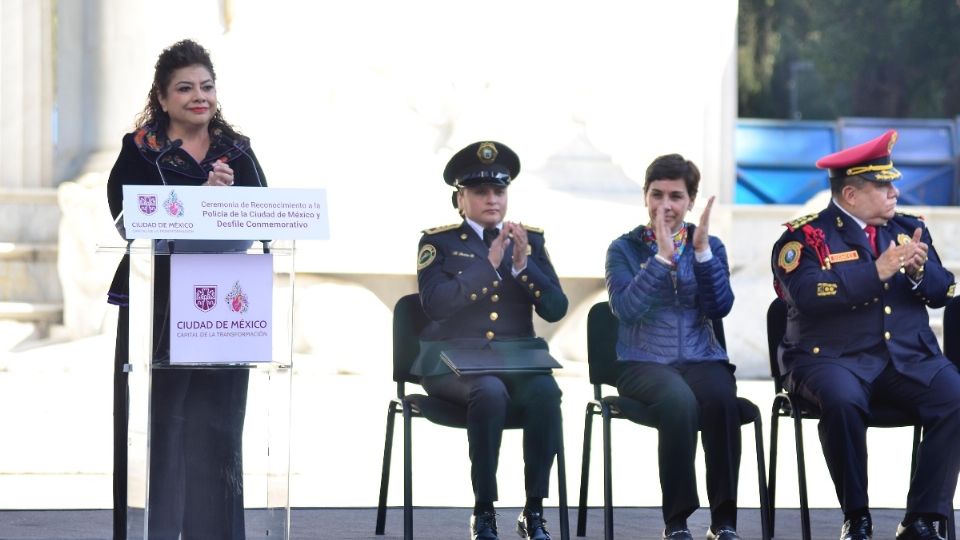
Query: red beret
(870, 160)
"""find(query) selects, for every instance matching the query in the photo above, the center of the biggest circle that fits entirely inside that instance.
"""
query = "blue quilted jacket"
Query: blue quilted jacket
(661, 319)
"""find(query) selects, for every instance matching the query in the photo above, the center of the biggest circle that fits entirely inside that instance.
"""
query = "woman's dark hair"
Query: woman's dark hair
(181, 54)
(672, 167)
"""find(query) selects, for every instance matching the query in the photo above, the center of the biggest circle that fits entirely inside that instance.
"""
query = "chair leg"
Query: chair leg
(407, 474)
(607, 475)
(385, 473)
(761, 480)
(802, 477)
(562, 487)
(585, 471)
(772, 476)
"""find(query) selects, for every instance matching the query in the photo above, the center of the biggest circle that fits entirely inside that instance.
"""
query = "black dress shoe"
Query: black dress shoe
(532, 525)
(484, 526)
(860, 528)
(723, 533)
(679, 534)
(919, 529)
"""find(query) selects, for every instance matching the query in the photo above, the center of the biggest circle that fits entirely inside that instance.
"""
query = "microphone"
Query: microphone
(253, 163)
(173, 145)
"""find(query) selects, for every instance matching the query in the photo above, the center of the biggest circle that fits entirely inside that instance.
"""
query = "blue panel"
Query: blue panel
(775, 160)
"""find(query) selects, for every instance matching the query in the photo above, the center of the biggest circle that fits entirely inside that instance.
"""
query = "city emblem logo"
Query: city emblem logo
(237, 300)
(148, 204)
(173, 205)
(205, 297)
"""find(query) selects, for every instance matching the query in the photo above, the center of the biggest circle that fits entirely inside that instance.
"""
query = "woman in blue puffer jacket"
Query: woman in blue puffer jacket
(666, 281)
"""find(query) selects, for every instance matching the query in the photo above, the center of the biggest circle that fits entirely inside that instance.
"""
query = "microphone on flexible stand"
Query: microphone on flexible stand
(172, 146)
(253, 163)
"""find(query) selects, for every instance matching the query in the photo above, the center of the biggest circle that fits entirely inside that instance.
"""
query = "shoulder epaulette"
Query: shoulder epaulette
(533, 229)
(441, 228)
(801, 221)
(908, 214)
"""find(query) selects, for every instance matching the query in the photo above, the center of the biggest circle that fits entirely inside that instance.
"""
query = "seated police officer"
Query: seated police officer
(858, 278)
(480, 281)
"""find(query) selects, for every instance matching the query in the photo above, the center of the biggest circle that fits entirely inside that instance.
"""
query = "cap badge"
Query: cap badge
(487, 153)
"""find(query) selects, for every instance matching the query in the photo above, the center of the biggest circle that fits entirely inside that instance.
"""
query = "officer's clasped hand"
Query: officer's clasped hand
(907, 258)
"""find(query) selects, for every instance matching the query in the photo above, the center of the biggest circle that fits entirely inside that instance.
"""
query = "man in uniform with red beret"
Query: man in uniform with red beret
(858, 278)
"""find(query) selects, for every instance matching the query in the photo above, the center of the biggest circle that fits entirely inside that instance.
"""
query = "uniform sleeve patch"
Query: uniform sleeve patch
(426, 256)
(826, 289)
(789, 257)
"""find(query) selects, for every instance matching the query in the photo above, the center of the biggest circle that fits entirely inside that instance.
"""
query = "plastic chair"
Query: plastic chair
(408, 320)
(786, 404)
(602, 330)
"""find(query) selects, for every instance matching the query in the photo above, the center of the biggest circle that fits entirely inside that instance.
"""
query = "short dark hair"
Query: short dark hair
(671, 167)
(839, 182)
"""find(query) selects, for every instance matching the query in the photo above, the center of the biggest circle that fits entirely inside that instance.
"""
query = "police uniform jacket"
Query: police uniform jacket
(839, 310)
(665, 316)
(472, 305)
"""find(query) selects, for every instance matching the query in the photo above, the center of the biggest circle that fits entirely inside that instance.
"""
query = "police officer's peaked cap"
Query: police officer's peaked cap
(485, 162)
(870, 160)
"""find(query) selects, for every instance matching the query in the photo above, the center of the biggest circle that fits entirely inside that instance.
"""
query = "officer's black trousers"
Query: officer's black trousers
(684, 397)
(196, 467)
(844, 400)
(490, 399)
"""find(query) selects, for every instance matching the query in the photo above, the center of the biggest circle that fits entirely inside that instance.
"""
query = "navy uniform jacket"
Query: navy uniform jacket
(840, 311)
(470, 305)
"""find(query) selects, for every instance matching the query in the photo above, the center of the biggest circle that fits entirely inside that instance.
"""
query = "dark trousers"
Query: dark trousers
(196, 466)
(684, 397)
(844, 401)
(492, 400)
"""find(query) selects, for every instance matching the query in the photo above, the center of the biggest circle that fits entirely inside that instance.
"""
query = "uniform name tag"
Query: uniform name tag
(844, 256)
(462, 254)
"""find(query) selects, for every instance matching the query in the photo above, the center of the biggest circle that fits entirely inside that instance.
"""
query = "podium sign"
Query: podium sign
(221, 307)
(205, 212)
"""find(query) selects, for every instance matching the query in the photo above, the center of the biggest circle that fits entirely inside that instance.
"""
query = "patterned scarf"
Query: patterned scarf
(679, 241)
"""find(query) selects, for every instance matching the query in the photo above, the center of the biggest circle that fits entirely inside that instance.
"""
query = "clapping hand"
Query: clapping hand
(221, 175)
(701, 237)
(909, 257)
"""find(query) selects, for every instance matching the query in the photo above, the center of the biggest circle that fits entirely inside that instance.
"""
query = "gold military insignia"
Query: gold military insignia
(891, 174)
(903, 239)
(801, 221)
(839, 223)
(440, 229)
(844, 256)
(789, 257)
(826, 289)
(463, 236)
(426, 256)
(950, 290)
(533, 229)
(487, 153)
(529, 249)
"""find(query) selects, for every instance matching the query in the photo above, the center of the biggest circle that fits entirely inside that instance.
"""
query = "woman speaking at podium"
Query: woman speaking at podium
(197, 415)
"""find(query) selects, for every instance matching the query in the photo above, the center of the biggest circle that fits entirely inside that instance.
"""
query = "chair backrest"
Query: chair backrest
(776, 328)
(602, 333)
(951, 331)
(409, 320)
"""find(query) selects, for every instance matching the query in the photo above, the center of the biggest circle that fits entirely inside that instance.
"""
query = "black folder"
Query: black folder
(488, 361)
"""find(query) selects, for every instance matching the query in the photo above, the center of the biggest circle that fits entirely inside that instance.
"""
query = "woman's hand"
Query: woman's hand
(520, 243)
(221, 175)
(701, 237)
(497, 248)
(664, 234)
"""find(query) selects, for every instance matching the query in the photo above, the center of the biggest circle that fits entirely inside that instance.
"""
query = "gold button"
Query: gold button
(531, 286)
(886, 286)
(496, 284)
(886, 336)
(887, 310)
(463, 236)
(495, 298)
(494, 316)
(537, 294)
(473, 296)
(484, 290)
(523, 278)
(490, 334)
(816, 350)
